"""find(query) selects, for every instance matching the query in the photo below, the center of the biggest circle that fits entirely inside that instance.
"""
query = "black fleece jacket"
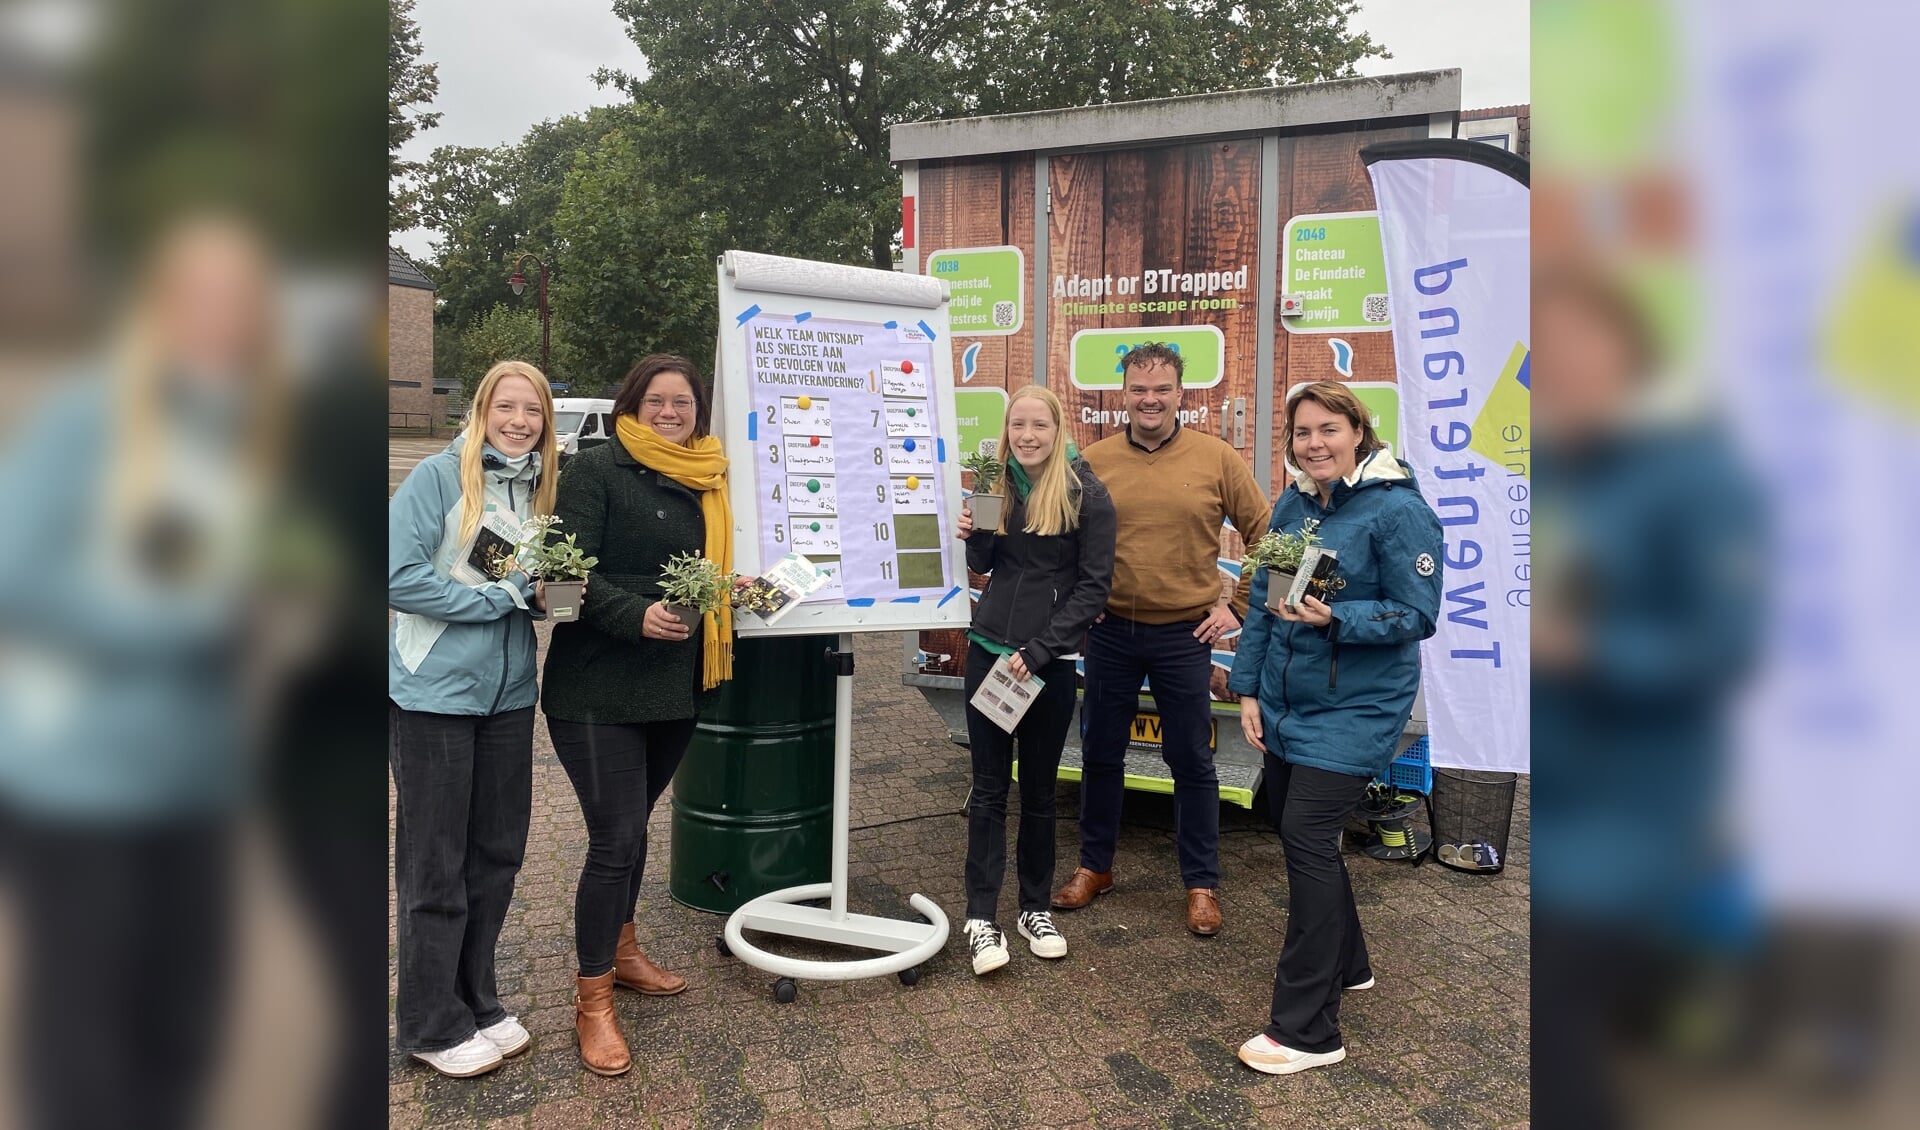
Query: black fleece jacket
(1045, 592)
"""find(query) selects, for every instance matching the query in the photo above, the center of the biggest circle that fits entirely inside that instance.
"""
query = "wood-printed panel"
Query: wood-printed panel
(1076, 249)
(1322, 173)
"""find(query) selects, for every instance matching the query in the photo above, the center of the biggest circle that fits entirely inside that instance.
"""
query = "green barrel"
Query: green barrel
(753, 800)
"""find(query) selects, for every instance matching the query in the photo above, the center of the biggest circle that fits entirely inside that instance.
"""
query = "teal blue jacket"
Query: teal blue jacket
(454, 648)
(1338, 698)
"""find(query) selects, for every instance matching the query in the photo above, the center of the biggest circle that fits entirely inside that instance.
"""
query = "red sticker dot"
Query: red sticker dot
(906, 366)
(813, 441)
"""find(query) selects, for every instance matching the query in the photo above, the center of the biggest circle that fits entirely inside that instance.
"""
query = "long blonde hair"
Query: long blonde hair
(473, 487)
(1053, 505)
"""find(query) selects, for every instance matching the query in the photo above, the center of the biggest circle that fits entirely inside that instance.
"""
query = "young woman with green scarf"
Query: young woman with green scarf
(1050, 567)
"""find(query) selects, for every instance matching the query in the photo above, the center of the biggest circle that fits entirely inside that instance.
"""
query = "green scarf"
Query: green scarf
(1017, 475)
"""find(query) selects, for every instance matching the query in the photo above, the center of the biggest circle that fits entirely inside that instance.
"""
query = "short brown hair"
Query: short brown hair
(1148, 354)
(633, 390)
(1339, 399)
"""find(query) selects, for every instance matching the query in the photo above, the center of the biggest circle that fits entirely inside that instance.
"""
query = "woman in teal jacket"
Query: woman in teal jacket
(460, 684)
(1326, 689)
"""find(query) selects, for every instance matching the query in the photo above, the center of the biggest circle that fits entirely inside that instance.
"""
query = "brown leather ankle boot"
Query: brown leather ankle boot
(602, 1048)
(632, 969)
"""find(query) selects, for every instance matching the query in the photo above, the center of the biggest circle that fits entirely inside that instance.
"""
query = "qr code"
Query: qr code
(1003, 314)
(1374, 308)
(989, 447)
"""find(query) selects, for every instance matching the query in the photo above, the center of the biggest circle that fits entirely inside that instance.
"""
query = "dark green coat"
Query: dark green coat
(599, 667)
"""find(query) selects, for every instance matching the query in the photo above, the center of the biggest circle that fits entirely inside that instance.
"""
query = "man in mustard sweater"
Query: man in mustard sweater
(1171, 487)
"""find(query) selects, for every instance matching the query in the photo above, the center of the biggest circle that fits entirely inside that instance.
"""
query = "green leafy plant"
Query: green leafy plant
(548, 558)
(986, 469)
(692, 581)
(1281, 552)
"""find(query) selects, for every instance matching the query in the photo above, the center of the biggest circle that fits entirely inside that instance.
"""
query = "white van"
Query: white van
(580, 423)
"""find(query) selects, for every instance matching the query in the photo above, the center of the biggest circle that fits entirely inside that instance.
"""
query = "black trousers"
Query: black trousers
(464, 786)
(1041, 733)
(618, 772)
(126, 935)
(1325, 949)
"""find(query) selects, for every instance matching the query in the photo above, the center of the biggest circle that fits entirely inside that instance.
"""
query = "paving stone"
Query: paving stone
(1137, 1027)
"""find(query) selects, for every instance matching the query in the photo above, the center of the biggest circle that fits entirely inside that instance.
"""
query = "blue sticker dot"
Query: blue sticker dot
(908, 445)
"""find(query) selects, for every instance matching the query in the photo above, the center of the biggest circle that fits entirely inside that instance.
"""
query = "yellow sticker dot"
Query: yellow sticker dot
(806, 402)
(913, 482)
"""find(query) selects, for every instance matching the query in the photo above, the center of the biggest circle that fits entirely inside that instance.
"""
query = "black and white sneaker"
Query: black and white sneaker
(987, 944)
(1036, 926)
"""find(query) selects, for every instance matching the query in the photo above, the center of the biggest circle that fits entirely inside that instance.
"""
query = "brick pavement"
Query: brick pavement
(1136, 1027)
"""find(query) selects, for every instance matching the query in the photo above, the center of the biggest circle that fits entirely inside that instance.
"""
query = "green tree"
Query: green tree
(640, 260)
(775, 115)
(504, 333)
(411, 84)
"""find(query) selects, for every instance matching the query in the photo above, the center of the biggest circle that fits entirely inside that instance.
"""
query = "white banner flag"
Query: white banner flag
(1453, 224)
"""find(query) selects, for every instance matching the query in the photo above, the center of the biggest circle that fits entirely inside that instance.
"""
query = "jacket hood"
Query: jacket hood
(497, 466)
(1378, 467)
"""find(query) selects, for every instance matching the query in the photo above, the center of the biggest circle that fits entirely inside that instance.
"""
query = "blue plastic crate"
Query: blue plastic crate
(1412, 771)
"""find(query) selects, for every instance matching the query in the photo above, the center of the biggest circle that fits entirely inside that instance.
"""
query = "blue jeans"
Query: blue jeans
(464, 795)
(1119, 654)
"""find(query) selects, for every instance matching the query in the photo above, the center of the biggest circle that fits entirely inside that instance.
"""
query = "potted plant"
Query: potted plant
(1279, 554)
(986, 502)
(559, 563)
(693, 586)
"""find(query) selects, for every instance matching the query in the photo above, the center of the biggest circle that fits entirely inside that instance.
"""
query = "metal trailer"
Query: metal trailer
(1232, 224)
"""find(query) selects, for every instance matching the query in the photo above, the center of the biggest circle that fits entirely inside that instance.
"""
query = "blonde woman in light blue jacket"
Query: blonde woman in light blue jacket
(460, 684)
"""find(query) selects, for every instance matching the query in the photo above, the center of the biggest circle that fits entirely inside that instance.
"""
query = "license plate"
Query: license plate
(1146, 731)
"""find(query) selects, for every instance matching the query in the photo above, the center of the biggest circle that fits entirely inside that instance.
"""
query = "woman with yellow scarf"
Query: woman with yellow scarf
(624, 682)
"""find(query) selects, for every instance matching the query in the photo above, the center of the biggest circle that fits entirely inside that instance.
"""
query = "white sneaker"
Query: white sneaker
(1354, 988)
(1263, 1054)
(475, 1057)
(1036, 926)
(510, 1036)
(987, 944)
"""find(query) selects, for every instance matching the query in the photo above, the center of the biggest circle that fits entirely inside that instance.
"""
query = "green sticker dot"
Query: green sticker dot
(912, 412)
(813, 485)
(814, 526)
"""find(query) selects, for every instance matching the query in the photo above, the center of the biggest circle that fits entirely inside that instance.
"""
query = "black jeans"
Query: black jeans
(1325, 950)
(1042, 733)
(1119, 654)
(126, 933)
(464, 785)
(618, 772)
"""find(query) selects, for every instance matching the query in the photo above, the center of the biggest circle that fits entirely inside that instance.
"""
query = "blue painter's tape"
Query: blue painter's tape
(928, 330)
(749, 312)
(803, 315)
(905, 600)
(753, 426)
(939, 451)
(860, 602)
(891, 325)
(951, 593)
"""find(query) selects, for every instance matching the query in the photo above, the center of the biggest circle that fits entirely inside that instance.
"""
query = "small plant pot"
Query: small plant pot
(685, 615)
(563, 600)
(986, 510)
(1278, 586)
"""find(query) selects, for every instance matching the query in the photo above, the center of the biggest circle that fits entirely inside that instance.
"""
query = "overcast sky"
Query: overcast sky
(506, 65)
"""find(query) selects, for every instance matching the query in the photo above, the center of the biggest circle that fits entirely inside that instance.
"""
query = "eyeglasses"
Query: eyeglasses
(680, 403)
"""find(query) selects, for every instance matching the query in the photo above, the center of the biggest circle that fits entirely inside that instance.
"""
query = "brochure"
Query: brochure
(1004, 699)
(776, 592)
(1317, 565)
(480, 560)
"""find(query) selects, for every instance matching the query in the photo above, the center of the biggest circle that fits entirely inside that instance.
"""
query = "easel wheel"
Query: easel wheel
(784, 990)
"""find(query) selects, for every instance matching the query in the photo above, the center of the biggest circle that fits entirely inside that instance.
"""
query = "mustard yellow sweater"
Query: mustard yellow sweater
(1169, 504)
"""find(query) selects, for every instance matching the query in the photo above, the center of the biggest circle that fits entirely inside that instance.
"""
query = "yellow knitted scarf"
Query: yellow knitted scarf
(700, 466)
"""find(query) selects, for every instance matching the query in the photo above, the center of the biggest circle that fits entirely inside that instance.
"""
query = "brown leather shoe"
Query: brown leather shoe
(602, 1048)
(1081, 889)
(1203, 911)
(632, 969)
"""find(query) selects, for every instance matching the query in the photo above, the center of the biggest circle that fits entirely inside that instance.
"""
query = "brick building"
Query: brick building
(411, 402)
(1509, 127)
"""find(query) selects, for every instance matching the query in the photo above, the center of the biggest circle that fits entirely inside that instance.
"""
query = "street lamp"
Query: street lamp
(518, 284)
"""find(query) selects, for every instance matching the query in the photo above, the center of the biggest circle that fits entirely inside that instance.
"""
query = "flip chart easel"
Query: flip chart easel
(833, 395)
